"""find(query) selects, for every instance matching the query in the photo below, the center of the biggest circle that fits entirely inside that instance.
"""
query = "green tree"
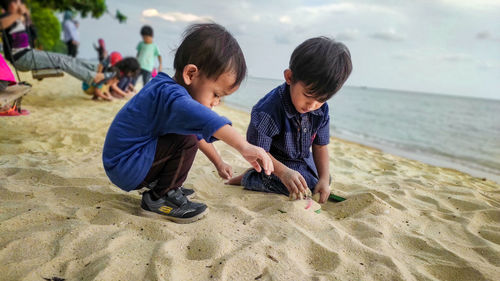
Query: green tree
(48, 26)
(96, 8)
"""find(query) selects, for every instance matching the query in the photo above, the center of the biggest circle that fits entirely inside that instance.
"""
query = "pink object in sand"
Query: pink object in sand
(309, 203)
(154, 73)
(5, 72)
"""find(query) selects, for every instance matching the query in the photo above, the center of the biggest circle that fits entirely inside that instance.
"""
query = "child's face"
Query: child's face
(302, 100)
(147, 39)
(210, 91)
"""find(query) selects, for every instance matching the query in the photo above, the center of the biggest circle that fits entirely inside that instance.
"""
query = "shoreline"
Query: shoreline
(478, 171)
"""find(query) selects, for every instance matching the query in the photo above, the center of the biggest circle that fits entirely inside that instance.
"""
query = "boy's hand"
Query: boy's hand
(323, 188)
(294, 181)
(258, 158)
(225, 170)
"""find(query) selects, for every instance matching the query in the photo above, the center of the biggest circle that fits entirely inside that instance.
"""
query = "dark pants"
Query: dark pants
(173, 159)
(72, 49)
(253, 180)
(146, 76)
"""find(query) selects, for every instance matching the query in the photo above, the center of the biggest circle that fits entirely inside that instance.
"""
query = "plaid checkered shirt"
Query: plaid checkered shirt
(287, 135)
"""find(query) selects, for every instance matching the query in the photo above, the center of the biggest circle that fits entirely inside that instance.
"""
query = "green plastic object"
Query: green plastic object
(335, 198)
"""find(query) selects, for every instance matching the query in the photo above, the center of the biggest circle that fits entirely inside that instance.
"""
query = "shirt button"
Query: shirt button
(305, 130)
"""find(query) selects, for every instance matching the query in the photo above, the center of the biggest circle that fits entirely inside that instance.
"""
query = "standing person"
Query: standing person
(155, 136)
(147, 52)
(71, 34)
(18, 51)
(102, 53)
(292, 120)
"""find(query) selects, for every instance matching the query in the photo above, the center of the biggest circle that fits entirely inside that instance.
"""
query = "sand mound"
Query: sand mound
(61, 217)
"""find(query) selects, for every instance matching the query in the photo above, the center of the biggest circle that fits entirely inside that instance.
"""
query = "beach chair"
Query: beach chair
(10, 100)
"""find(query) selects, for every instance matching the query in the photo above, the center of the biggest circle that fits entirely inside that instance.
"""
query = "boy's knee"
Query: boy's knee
(191, 141)
(179, 141)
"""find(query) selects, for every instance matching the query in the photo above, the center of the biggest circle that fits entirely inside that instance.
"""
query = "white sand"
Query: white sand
(61, 217)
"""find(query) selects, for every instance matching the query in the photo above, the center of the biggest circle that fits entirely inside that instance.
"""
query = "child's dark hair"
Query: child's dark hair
(128, 65)
(147, 31)
(213, 50)
(322, 64)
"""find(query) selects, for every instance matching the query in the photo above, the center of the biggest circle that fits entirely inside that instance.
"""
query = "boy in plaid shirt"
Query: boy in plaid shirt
(293, 117)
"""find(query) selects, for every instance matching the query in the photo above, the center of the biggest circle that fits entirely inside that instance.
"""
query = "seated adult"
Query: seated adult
(19, 52)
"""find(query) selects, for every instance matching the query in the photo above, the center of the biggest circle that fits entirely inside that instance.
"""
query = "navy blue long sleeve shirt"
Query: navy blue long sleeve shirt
(161, 107)
(286, 134)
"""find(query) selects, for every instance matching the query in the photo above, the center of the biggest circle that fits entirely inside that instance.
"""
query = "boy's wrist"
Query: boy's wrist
(281, 171)
(324, 180)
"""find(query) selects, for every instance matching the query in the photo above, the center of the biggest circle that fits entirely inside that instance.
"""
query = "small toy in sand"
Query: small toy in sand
(335, 198)
(315, 197)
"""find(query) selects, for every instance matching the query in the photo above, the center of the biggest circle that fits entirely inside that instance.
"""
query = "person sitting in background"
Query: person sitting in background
(6, 75)
(107, 63)
(18, 51)
(293, 118)
(128, 67)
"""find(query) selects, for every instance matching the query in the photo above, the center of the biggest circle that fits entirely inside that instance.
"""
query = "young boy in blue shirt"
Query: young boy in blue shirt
(293, 118)
(155, 136)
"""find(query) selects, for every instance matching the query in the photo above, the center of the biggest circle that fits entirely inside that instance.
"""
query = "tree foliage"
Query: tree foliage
(95, 8)
(48, 26)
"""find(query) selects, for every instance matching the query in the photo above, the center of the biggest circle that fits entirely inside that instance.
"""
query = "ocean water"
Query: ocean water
(447, 131)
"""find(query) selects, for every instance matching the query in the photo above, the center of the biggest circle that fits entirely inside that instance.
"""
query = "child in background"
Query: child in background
(293, 117)
(17, 49)
(108, 62)
(101, 50)
(99, 90)
(155, 136)
(147, 51)
(128, 67)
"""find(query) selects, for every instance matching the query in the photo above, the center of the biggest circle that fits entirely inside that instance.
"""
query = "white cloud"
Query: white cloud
(282, 39)
(175, 16)
(474, 5)
(388, 35)
(348, 8)
(285, 19)
(303, 14)
(486, 65)
(347, 35)
(256, 18)
(454, 57)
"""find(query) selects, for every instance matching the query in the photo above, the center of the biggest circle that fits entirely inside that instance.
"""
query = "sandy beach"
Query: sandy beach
(61, 217)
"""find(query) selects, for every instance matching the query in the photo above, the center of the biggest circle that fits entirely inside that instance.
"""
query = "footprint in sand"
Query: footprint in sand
(211, 247)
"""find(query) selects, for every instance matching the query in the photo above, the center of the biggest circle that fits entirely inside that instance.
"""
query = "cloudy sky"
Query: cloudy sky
(437, 46)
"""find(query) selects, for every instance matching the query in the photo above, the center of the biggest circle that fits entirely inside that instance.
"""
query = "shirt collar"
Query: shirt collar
(290, 110)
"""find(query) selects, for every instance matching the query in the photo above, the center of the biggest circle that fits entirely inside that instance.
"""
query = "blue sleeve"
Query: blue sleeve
(185, 116)
(323, 134)
(261, 130)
